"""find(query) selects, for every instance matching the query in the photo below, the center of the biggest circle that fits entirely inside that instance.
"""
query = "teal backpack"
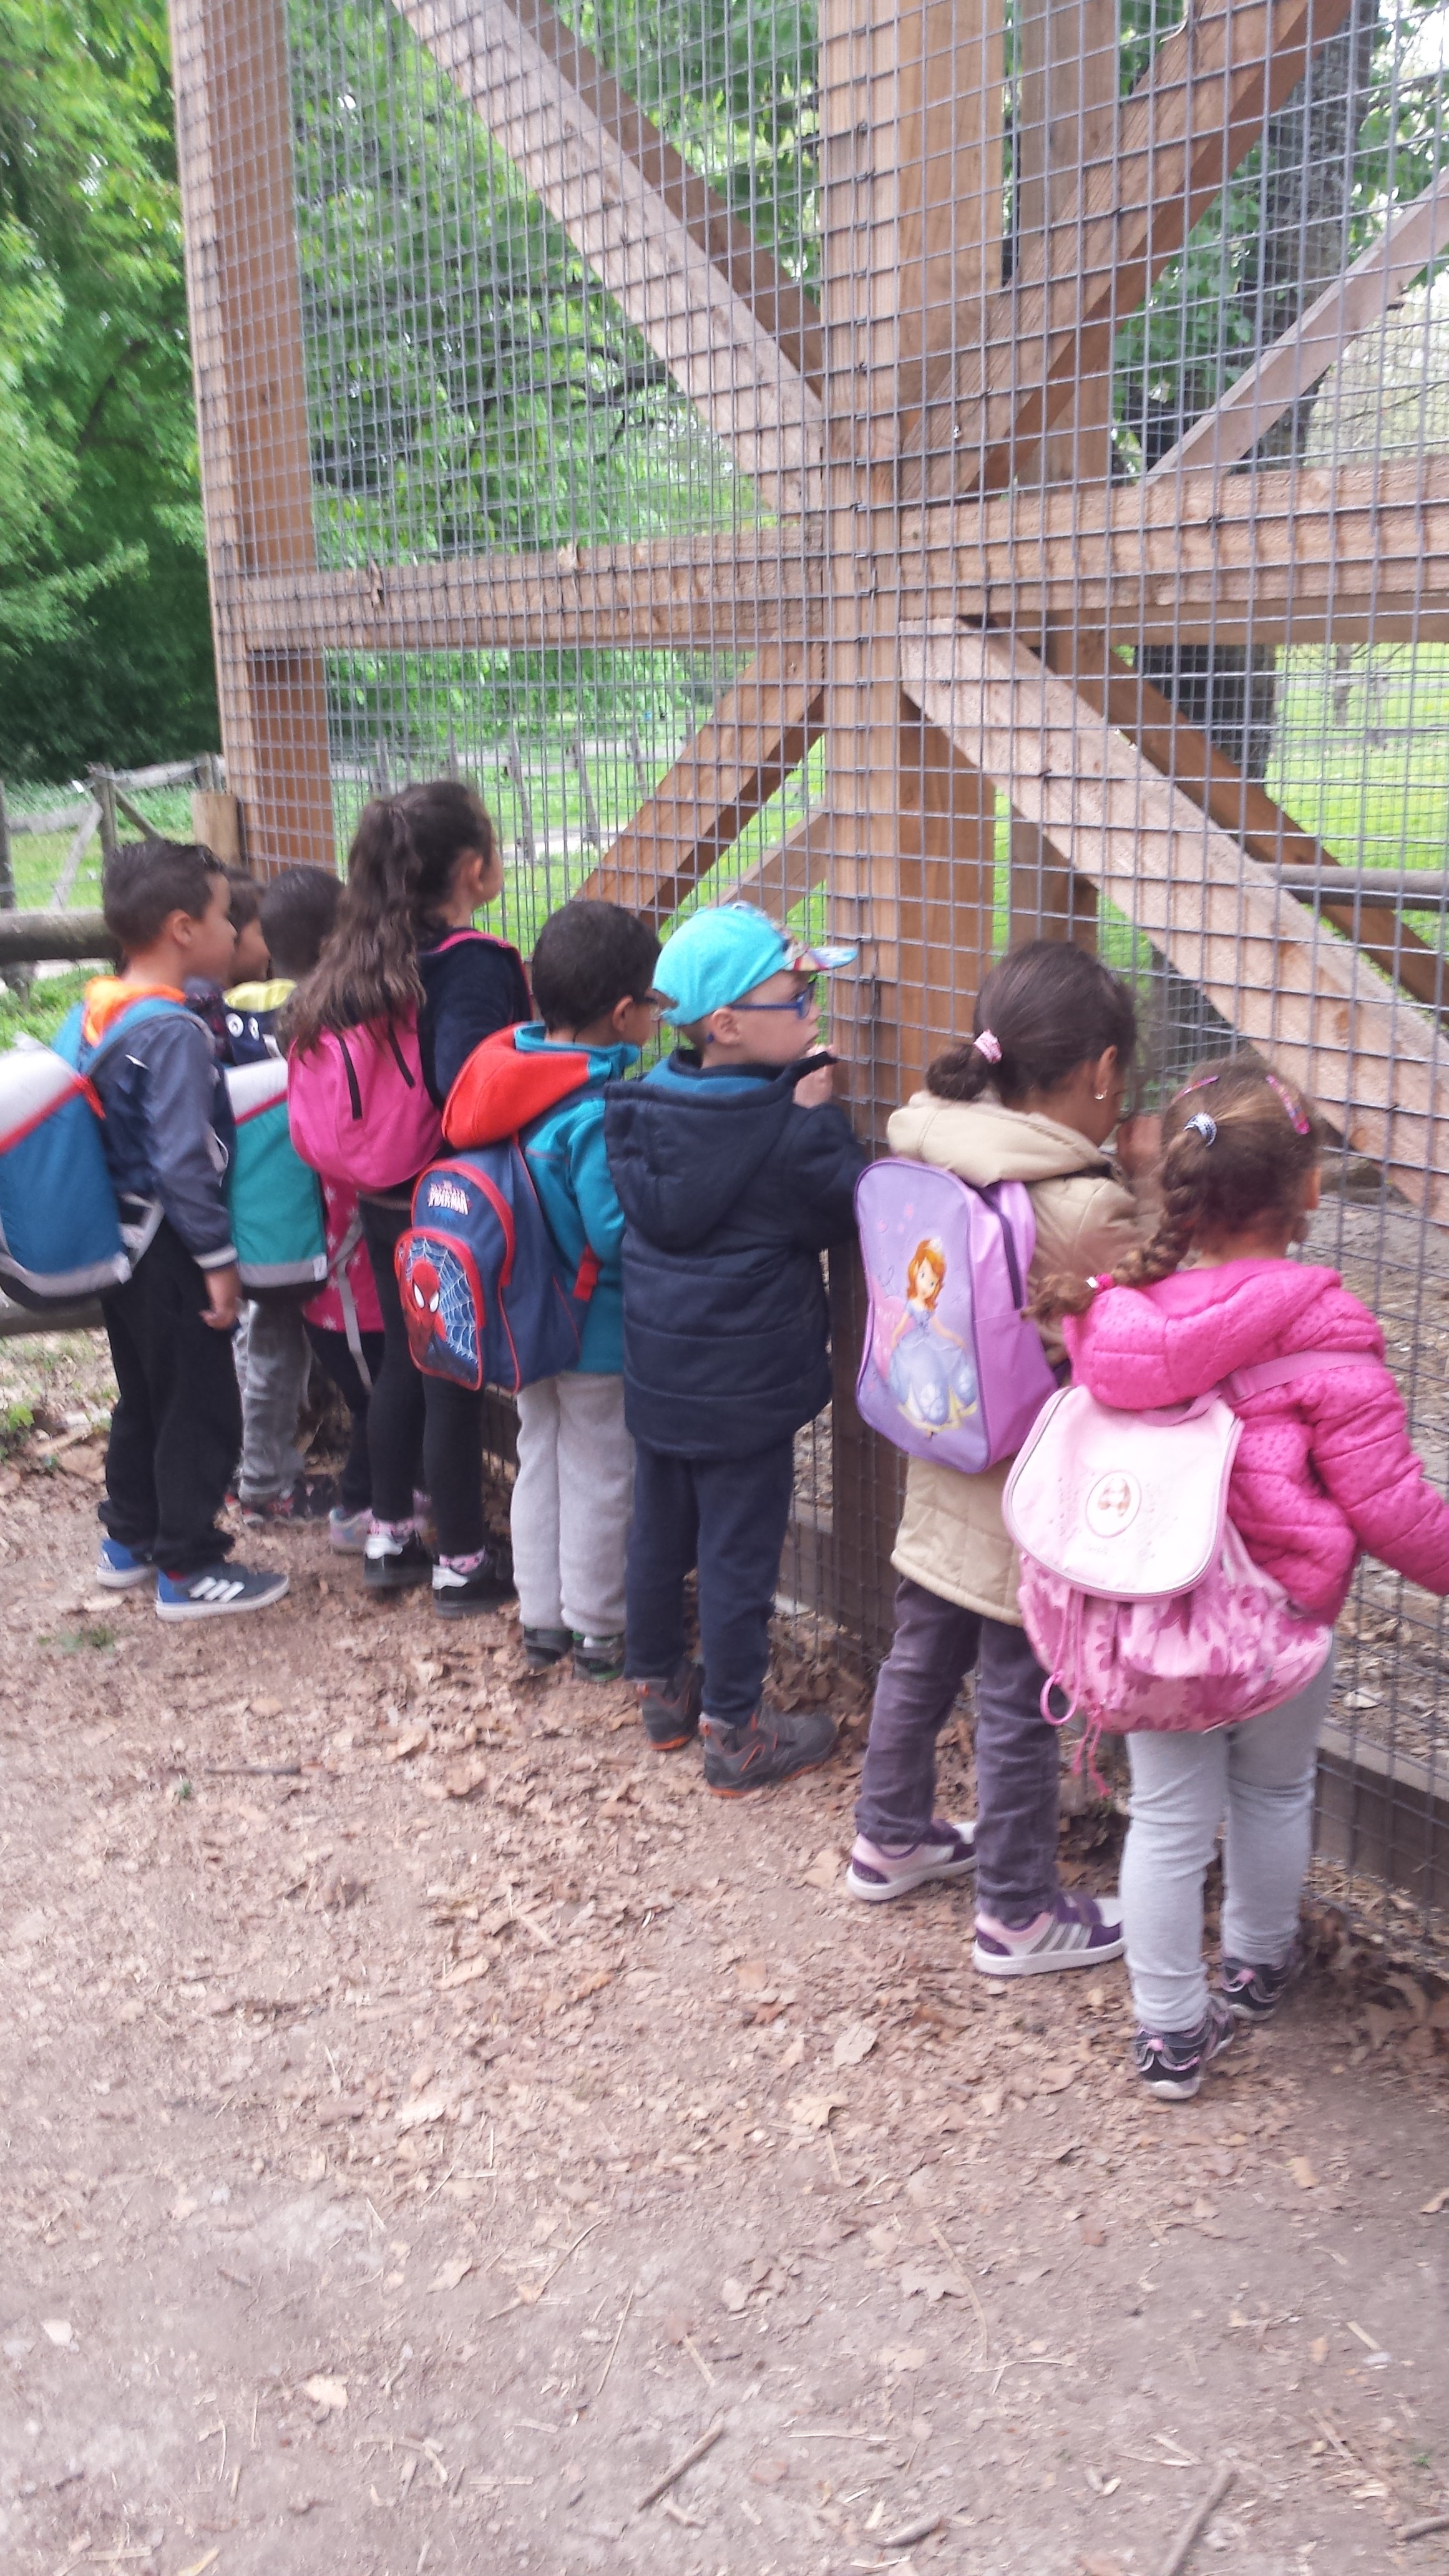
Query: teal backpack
(277, 1219)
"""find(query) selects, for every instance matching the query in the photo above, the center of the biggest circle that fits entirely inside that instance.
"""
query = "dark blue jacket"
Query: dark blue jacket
(470, 988)
(730, 1195)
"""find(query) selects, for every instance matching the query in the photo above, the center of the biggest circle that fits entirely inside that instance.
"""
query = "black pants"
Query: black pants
(331, 1351)
(177, 1428)
(726, 1516)
(413, 1419)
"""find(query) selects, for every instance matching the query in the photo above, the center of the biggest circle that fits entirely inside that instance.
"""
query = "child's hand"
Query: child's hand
(223, 1298)
(814, 1091)
(1139, 1145)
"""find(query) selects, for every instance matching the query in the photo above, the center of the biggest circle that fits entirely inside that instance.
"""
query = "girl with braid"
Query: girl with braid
(1323, 1470)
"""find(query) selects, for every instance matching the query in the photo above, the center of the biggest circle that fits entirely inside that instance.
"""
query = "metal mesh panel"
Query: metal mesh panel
(967, 471)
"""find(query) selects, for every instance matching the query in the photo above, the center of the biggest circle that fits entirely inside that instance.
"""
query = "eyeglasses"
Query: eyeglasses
(800, 1003)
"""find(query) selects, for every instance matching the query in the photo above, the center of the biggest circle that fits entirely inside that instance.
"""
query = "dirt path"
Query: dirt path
(427, 2115)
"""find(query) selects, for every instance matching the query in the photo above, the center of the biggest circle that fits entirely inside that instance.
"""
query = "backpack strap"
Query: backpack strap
(337, 1273)
(1262, 1374)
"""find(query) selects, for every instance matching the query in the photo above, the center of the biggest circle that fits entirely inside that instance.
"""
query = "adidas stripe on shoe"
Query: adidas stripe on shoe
(217, 1592)
(1077, 1932)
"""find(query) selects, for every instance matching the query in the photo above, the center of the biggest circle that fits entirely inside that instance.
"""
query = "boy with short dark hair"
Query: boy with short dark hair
(591, 971)
(167, 1137)
(735, 1172)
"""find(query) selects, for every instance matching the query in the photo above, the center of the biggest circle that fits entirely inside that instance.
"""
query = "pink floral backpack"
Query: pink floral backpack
(1137, 1592)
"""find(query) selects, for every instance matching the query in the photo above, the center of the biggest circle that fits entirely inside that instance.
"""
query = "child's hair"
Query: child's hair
(400, 869)
(590, 956)
(298, 915)
(1239, 1143)
(146, 881)
(1045, 1009)
(244, 902)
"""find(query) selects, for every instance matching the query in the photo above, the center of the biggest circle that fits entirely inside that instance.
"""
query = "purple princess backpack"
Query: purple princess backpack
(951, 1368)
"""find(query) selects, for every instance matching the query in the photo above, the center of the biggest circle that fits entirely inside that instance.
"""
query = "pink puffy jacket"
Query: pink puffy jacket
(1324, 1467)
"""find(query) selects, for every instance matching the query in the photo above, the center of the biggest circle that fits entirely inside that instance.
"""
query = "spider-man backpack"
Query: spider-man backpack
(486, 1298)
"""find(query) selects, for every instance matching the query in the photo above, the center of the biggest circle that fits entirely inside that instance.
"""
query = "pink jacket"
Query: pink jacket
(1324, 1467)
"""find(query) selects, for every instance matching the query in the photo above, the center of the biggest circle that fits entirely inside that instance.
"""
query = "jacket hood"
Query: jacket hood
(684, 1143)
(109, 995)
(515, 1076)
(982, 1142)
(1140, 1347)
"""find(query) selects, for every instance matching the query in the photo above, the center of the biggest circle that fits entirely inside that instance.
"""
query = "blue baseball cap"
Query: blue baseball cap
(723, 953)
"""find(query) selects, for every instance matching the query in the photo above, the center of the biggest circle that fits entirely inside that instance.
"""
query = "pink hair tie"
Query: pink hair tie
(989, 1045)
(1302, 1124)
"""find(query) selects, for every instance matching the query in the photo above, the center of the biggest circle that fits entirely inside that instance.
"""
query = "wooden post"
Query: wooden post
(234, 148)
(911, 162)
(1066, 83)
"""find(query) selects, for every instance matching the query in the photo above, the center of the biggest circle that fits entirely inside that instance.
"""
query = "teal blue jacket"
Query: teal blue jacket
(551, 1096)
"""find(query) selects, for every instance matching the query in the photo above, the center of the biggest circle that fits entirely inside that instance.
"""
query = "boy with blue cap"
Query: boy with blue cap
(735, 1171)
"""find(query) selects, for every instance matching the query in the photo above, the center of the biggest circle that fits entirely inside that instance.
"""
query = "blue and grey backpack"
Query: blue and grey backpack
(484, 1295)
(60, 1228)
(277, 1219)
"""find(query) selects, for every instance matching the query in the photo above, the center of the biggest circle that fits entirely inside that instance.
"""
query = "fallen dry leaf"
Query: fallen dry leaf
(466, 1972)
(57, 2330)
(823, 1871)
(1440, 2201)
(753, 1975)
(1318, 2351)
(1093, 2232)
(1303, 2173)
(813, 2110)
(769, 2473)
(855, 2042)
(794, 2055)
(735, 2296)
(449, 2274)
(329, 2394)
(412, 1739)
(422, 2113)
(199, 2566)
(1098, 2565)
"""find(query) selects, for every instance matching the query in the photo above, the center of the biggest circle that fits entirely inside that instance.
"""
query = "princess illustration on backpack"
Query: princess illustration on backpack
(926, 1367)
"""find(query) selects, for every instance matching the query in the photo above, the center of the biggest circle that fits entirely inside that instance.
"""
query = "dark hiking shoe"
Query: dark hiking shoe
(217, 1592)
(465, 1596)
(543, 1647)
(770, 1749)
(386, 1567)
(669, 1709)
(1172, 2063)
(1255, 1993)
(598, 1659)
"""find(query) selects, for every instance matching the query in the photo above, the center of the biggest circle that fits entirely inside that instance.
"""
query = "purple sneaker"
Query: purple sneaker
(1255, 1993)
(1172, 2063)
(876, 1875)
(1079, 1932)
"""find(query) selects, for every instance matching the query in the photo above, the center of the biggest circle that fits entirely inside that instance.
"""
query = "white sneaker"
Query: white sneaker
(1077, 1932)
(876, 1875)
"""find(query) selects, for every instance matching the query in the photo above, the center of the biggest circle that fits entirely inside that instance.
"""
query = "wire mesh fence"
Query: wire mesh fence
(963, 471)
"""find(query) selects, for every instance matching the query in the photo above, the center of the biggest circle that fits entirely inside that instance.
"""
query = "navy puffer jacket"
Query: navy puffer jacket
(730, 1195)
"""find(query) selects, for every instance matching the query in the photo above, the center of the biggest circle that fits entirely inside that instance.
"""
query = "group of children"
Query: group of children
(703, 1195)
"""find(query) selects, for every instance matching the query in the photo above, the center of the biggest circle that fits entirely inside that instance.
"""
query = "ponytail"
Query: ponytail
(1241, 1161)
(400, 869)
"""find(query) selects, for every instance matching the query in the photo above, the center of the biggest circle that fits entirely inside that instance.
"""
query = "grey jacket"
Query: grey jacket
(168, 1135)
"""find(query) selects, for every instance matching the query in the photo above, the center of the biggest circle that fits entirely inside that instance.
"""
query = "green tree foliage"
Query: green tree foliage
(105, 646)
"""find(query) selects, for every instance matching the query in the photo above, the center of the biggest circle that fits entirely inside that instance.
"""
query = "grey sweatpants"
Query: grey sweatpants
(1259, 1776)
(273, 1356)
(571, 1504)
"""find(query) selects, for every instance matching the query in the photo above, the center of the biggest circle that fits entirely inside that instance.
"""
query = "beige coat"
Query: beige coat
(952, 1537)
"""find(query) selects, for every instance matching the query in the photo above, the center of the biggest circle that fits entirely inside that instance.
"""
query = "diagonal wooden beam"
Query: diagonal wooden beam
(1193, 117)
(1365, 294)
(1316, 1007)
(784, 875)
(735, 332)
(1240, 807)
(760, 731)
